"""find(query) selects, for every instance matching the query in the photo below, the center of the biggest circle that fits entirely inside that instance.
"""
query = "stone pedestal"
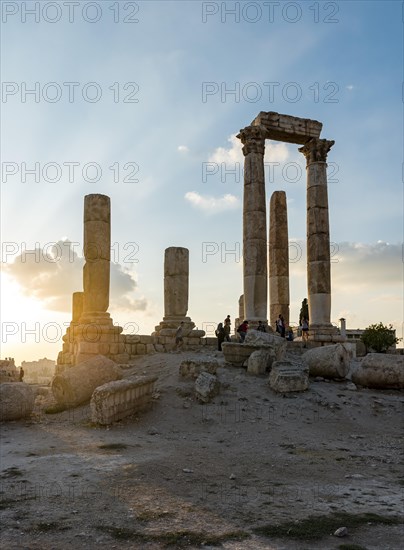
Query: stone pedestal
(318, 241)
(278, 258)
(254, 226)
(176, 291)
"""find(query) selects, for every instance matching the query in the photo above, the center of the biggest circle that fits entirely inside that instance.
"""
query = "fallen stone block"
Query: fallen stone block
(192, 368)
(117, 400)
(260, 361)
(258, 338)
(379, 370)
(16, 400)
(328, 361)
(75, 385)
(286, 376)
(206, 387)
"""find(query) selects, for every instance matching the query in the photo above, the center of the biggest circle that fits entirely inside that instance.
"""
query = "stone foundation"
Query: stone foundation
(131, 346)
(117, 400)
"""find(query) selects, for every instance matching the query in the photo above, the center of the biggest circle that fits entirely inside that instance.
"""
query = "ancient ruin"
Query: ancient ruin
(176, 292)
(278, 251)
(306, 132)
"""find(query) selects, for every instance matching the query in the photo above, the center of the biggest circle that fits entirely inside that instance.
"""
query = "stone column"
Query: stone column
(278, 258)
(176, 281)
(97, 252)
(318, 239)
(176, 290)
(254, 225)
(77, 306)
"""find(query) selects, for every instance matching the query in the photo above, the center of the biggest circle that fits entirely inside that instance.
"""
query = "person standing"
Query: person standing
(305, 331)
(221, 335)
(227, 328)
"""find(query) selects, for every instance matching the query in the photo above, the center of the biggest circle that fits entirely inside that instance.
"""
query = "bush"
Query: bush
(379, 337)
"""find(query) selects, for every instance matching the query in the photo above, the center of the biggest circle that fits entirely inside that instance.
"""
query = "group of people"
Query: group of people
(223, 330)
(281, 329)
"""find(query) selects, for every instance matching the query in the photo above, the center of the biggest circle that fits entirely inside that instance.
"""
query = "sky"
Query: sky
(142, 101)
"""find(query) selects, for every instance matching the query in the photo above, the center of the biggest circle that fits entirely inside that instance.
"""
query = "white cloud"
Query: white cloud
(274, 152)
(213, 205)
(52, 275)
(182, 148)
(350, 87)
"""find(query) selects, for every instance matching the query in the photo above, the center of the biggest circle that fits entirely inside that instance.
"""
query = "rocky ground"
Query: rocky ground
(250, 470)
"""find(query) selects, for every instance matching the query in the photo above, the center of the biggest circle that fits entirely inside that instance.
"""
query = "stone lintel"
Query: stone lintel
(288, 128)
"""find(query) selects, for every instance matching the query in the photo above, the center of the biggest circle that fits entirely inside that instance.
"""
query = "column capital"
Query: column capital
(316, 150)
(253, 139)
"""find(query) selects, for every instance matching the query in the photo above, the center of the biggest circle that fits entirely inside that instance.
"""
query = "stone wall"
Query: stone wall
(133, 345)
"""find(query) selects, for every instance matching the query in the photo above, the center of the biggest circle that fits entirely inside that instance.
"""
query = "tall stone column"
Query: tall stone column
(254, 225)
(318, 239)
(176, 292)
(97, 252)
(278, 258)
(176, 281)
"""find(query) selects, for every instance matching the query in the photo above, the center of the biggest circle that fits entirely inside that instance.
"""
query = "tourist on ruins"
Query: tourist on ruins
(280, 325)
(221, 335)
(305, 331)
(261, 326)
(21, 374)
(179, 336)
(227, 328)
(242, 330)
(290, 334)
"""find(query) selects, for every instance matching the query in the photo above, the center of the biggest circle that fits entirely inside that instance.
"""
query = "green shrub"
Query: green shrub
(379, 337)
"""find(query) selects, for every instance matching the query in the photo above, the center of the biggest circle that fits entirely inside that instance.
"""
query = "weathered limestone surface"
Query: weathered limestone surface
(379, 370)
(176, 289)
(260, 361)
(97, 252)
(16, 400)
(117, 400)
(192, 368)
(278, 258)
(287, 128)
(75, 385)
(206, 387)
(77, 306)
(176, 276)
(257, 338)
(286, 376)
(328, 361)
(318, 238)
(254, 225)
(237, 354)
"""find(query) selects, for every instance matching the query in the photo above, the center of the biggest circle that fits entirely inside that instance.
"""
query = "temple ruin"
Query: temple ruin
(305, 132)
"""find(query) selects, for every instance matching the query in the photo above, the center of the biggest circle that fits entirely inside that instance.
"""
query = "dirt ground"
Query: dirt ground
(250, 470)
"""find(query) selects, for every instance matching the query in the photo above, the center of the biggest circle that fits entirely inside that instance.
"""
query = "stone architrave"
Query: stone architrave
(254, 226)
(278, 258)
(318, 238)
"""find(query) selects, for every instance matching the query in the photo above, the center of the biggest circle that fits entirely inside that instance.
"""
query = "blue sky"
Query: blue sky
(336, 62)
